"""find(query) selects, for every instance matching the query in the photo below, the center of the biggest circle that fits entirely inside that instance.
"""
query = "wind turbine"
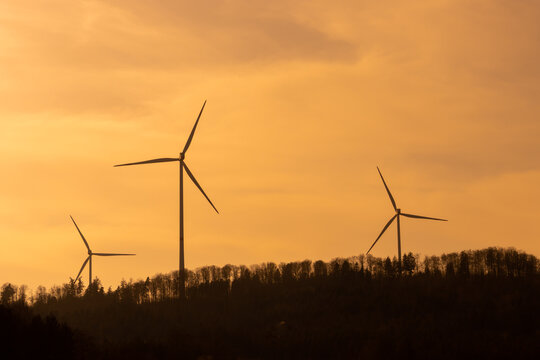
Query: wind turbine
(90, 254)
(182, 166)
(397, 215)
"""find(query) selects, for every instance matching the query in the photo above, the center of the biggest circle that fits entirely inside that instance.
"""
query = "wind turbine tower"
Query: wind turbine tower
(397, 216)
(90, 254)
(182, 166)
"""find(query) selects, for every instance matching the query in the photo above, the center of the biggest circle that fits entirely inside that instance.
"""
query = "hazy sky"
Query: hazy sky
(305, 99)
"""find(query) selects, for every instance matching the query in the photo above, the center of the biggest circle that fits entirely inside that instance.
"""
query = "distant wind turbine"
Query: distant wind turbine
(182, 166)
(397, 215)
(90, 254)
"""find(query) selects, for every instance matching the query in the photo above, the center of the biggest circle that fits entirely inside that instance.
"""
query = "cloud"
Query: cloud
(95, 57)
(238, 32)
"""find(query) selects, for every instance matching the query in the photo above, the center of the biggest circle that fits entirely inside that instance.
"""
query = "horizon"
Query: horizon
(304, 102)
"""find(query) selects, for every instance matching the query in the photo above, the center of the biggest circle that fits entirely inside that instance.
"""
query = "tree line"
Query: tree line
(500, 262)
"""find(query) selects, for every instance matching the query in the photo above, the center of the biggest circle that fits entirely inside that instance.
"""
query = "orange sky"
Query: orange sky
(305, 99)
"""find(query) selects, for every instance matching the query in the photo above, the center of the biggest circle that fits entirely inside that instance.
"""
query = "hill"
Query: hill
(481, 304)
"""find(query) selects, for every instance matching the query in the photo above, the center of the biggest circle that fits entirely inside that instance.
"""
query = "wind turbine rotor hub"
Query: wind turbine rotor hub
(182, 156)
(398, 211)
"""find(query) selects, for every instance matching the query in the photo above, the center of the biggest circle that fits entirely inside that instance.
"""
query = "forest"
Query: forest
(473, 304)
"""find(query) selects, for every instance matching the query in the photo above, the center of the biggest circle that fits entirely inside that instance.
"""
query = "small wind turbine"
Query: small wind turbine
(90, 254)
(397, 215)
(182, 166)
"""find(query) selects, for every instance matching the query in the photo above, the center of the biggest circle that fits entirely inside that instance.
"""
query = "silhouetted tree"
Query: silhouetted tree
(389, 269)
(463, 264)
(7, 296)
(409, 263)
(319, 268)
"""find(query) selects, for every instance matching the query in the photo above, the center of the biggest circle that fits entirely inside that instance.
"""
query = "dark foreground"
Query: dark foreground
(472, 305)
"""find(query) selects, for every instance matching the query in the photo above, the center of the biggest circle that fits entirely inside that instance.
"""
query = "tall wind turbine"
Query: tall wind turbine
(182, 166)
(90, 254)
(397, 216)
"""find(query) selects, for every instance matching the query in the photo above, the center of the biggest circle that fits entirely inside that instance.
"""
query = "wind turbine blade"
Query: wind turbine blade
(422, 217)
(382, 232)
(188, 142)
(199, 186)
(82, 267)
(149, 161)
(111, 254)
(388, 190)
(82, 236)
